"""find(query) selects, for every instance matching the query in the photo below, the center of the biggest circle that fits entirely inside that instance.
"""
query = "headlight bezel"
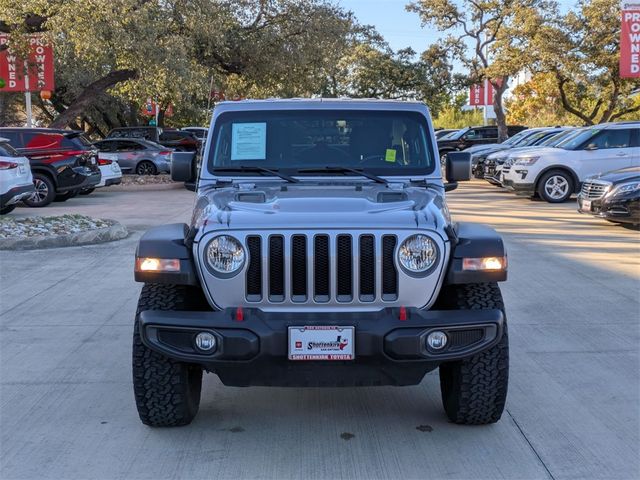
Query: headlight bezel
(430, 268)
(221, 273)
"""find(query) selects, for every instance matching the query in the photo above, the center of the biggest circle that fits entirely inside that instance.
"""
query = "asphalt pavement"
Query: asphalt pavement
(573, 410)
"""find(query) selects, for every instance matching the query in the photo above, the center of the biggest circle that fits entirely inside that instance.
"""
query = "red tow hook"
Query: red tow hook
(403, 314)
(239, 314)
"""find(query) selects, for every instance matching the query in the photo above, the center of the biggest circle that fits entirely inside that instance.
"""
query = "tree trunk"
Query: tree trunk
(90, 94)
(499, 87)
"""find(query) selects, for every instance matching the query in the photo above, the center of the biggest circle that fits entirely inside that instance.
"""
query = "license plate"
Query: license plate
(321, 343)
(586, 205)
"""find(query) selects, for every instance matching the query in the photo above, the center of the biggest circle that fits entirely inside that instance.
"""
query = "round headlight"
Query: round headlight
(225, 254)
(418, 253)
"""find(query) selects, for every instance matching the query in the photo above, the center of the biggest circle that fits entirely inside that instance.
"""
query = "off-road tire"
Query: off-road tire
(167, 391)
(474, 390)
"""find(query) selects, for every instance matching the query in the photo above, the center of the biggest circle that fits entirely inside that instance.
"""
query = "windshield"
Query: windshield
(574, 141)
(516, 138)
(380, 142)
(553, 140)
(455, 135)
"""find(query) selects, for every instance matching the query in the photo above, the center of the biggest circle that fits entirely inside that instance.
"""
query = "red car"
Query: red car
(63, 162)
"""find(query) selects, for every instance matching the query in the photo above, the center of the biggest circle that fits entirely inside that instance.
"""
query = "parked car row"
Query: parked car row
(42, 165)
(600, 163)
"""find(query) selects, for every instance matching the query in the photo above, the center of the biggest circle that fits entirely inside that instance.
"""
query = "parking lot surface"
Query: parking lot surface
(67, 407)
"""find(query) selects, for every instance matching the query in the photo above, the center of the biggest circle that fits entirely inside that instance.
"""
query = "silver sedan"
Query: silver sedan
(136, 155)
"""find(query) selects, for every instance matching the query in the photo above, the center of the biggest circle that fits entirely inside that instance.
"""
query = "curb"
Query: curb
(117, 231)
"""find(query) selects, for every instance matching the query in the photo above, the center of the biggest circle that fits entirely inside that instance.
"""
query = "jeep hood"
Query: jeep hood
(321, 206)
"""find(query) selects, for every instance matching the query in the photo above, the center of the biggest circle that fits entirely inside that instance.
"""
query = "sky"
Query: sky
(401, 28)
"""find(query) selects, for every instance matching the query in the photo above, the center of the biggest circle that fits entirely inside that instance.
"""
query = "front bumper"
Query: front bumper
(520, 189)
(617, 209)
(15, 194)
(254, 351)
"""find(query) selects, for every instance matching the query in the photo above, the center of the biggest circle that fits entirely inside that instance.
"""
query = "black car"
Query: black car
(467, 137)
(63, 162)
(179, 140)
(614, 196)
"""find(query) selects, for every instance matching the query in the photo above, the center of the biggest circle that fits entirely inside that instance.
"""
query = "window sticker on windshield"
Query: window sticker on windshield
(390, 156)
(249, 141)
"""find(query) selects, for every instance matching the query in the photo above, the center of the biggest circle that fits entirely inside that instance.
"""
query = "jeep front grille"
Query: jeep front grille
(293, 270)
(344, 249)
(593, 189)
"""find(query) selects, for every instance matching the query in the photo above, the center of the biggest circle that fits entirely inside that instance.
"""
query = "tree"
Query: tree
(128, 50)
(487, 26)
(537, 103)
(581, 51)
(375, 71)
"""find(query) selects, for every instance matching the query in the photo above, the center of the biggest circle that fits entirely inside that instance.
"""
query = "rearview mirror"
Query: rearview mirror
(182, 166)
(458, 167)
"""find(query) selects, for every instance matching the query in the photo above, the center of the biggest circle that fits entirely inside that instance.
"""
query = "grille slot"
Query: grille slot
(299, 268)
(276, 268)
(254, 270)
(321, 269)
(593, 190)
(389, 271)
(367, 269)
(344, 266)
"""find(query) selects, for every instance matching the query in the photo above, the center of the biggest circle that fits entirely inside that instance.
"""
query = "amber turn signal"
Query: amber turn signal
(484, 263)
(149, 264)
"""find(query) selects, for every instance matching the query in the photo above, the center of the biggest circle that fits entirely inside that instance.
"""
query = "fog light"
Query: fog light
(205, 342)
(437, 340)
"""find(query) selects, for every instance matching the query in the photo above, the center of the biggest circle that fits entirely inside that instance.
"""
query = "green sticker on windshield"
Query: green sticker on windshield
(390, 156)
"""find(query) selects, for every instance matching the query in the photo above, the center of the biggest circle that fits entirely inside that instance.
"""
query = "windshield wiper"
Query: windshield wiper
(255, 169)
(337, 169)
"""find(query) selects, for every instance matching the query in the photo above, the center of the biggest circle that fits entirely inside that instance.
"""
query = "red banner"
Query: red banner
(630, 39)
(477, 94)
(39, 66)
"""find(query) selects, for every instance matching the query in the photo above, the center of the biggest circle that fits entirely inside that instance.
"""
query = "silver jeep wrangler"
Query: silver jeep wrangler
(320, 253)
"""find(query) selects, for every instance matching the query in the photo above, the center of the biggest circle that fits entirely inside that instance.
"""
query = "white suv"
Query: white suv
(16, 181)
(555, 173)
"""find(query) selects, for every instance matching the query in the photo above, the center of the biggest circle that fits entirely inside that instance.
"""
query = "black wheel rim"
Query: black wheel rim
(41, 193)
(145, 168)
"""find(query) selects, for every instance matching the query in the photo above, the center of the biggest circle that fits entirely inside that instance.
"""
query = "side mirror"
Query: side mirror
(458, 167)
(182, 166)
(591, 147)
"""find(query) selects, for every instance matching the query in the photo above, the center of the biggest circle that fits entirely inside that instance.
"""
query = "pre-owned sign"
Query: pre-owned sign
(477, 95)
(630, 39)
(38, 66)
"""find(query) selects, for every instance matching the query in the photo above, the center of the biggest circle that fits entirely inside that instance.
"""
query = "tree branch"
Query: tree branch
(624, 112)
(90, 94)
(565, 101)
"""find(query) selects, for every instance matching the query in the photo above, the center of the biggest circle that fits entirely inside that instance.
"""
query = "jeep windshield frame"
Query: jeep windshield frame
(305, 141)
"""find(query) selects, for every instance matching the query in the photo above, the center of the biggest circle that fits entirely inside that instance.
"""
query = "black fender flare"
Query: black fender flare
(167, 242)
(474, 240)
